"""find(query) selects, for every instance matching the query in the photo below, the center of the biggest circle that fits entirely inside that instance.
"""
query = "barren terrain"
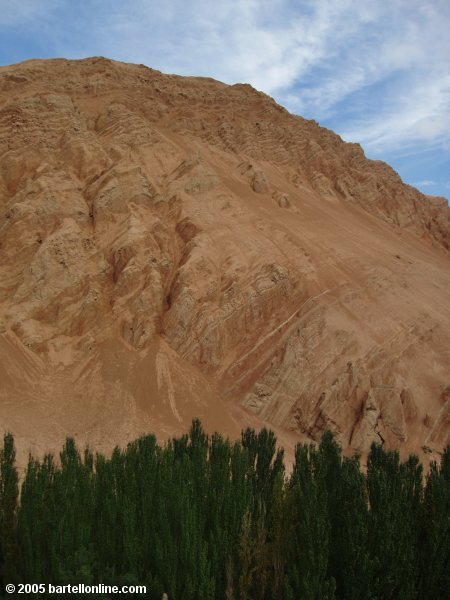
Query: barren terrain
(176, 247)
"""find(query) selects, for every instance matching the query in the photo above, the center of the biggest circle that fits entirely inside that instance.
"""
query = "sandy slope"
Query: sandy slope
(176, 247)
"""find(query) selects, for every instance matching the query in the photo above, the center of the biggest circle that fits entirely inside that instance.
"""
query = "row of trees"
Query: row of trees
(202, 518)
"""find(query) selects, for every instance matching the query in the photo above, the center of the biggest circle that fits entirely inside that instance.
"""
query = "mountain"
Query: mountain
(174, 247)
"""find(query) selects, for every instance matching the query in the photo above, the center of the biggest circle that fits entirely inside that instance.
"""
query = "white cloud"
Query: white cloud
(425, 183)
(313, 56)
(419, 114)
(269, 44)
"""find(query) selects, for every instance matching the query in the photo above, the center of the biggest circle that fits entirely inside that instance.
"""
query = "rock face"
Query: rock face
(176, 247)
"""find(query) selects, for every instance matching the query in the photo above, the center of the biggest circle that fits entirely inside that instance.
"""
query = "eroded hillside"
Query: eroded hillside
(175, 247)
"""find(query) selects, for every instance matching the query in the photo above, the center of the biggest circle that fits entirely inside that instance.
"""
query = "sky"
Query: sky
(375, 71)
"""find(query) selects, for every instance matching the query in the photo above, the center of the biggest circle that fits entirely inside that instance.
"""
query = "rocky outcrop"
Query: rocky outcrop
(148, 275)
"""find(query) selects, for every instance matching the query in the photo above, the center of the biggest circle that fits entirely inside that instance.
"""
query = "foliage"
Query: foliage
(204, 518)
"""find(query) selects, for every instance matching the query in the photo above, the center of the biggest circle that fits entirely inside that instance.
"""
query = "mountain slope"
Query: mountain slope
(175, 247)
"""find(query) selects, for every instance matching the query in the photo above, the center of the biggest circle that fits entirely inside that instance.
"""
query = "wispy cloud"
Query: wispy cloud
(387, 63)
(425, 183)
(386, 83)
(412, 115)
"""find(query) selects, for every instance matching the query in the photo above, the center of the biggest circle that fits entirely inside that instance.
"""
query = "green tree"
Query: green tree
(347, 508)
(307, 576)
(9, 492)
(434, 561)
(394, 491)
(72, 489)
(37, 517)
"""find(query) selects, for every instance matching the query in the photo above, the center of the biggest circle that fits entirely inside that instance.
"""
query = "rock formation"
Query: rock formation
(176, 247)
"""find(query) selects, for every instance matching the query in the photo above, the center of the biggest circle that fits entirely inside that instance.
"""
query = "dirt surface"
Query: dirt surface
(176, 247)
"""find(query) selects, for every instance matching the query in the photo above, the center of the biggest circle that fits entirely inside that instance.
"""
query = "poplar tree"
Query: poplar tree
(394, 491)
(308, 577)
(434, 561)
(9, 492)
(351, 565)
(73, 505)
(347, 509)
(37, 517)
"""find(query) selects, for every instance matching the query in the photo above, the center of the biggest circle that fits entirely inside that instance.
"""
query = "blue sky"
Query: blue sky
(375, 71)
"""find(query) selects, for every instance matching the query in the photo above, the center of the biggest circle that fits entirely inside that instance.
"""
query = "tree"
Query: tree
(394, 491)
(9, 493)
(347, 509)
(307, 575)
(434, 561)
